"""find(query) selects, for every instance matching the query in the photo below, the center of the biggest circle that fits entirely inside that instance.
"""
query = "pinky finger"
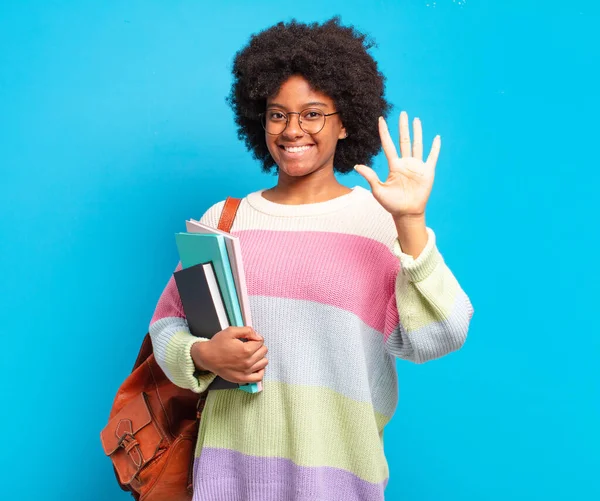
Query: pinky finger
(258, 366)
(435, 152)
(255, 377)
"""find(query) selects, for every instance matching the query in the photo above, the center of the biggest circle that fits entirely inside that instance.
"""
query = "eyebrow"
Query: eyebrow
(312, 103)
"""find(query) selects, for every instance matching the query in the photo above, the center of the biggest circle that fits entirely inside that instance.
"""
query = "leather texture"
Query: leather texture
(228, 214)
(153, 424)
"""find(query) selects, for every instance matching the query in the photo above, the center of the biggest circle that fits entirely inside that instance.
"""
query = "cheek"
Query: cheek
(271, 146)
(329, 143)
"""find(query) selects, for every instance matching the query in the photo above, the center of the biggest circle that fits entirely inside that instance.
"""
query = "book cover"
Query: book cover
(234, 251)
(197, 248)
(201, 299)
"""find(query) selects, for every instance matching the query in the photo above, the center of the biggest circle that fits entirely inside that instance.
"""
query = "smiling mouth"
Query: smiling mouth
(296, 149)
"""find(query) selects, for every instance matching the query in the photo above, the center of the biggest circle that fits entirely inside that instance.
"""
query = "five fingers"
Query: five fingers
(406, 149)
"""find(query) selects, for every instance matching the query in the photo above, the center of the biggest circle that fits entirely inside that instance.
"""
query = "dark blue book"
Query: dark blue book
(205, 310)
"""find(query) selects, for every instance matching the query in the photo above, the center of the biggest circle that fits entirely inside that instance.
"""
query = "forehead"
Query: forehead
(296, 92)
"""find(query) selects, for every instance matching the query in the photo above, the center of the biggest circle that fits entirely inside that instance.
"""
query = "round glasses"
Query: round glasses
(310, 120)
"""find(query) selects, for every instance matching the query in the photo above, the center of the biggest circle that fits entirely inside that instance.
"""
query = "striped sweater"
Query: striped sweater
(336, 301)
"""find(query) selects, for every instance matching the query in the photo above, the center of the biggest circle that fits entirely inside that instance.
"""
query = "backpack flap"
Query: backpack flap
(131, 438)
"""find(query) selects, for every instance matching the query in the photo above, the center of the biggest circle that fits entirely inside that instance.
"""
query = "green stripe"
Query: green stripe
(312, 426)
(426, 302)
(180, 364)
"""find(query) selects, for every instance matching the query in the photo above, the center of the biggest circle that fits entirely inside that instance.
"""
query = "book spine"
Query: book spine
(236, 312)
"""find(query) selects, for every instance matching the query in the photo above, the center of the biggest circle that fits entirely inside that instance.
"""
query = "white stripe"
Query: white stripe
(313, 344)
(161, 333)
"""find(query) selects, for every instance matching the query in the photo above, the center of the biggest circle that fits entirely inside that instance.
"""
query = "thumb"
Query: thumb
(369, 174)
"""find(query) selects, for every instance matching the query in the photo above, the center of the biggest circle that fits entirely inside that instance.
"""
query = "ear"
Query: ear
(343, 133)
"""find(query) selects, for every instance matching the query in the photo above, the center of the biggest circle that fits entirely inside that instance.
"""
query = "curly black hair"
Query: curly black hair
(334, 60)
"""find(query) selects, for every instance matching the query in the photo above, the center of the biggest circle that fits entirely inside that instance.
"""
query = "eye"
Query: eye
(312, 115)
(276, 116)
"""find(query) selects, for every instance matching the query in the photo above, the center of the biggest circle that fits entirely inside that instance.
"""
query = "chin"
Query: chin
(296, 170)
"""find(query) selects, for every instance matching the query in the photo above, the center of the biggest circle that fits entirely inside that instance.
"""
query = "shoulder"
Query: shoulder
(371, 220)
(212, 214)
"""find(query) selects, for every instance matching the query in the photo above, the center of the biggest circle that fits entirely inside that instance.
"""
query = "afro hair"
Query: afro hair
(334, 59)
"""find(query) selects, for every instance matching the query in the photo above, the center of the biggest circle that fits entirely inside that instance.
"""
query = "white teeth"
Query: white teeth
(296, 149)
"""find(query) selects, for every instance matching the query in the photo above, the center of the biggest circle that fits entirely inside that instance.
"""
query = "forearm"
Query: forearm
(173, 343)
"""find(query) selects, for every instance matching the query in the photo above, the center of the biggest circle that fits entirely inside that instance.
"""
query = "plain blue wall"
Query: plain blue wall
(114, 129)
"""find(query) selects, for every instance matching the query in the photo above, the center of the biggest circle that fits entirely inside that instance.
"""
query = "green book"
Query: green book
(199, 248)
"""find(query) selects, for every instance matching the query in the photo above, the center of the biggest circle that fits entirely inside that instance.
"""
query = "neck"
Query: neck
(319, 186)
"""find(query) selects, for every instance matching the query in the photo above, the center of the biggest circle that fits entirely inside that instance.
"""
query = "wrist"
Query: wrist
(412, 234)
(198, 352)
(409, 223)
(409, 219)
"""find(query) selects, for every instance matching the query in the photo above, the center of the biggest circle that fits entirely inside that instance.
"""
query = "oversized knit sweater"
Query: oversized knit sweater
(336, 301)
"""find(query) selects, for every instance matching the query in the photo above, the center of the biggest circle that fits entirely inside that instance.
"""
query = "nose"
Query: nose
(293, 128)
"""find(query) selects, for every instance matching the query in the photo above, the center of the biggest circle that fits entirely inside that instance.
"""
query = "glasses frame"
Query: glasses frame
(287, 120)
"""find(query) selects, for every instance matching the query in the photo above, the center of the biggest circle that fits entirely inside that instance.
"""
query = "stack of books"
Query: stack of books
(212, 286)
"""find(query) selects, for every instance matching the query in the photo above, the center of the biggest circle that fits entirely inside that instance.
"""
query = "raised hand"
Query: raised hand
(407, 188)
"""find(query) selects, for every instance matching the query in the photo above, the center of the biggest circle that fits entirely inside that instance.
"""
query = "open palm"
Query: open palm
(408, 185)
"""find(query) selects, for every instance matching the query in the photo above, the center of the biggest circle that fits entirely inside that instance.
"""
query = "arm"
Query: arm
(429, 314)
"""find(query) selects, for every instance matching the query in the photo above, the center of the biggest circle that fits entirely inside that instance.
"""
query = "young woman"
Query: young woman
(341, 281)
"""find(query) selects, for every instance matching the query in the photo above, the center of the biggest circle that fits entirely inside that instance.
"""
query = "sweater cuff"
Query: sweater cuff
(420, 268)
(198, 382)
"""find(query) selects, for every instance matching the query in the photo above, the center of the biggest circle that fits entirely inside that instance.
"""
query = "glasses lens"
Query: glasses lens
(312, 121)
(274, 122)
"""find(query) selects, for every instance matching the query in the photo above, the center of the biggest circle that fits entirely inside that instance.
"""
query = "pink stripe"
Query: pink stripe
(392, 317)
(169, 304)
(354, 273)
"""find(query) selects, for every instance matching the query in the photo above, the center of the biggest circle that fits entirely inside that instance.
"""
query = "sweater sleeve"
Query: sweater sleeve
(429, 314)
(172, 340)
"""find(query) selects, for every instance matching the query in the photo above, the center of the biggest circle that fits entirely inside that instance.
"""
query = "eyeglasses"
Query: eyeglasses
(310, 120)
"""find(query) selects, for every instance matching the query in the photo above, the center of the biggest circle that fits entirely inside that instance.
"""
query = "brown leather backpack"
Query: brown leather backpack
(153, 424)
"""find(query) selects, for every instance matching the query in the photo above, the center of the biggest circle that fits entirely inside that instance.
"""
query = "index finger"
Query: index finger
(251, 347)
(389, 148)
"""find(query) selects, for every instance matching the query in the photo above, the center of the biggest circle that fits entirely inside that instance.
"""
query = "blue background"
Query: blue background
(114, 130)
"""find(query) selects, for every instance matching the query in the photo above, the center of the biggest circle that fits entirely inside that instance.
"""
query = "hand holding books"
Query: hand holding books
(225, 356)
(213, 293)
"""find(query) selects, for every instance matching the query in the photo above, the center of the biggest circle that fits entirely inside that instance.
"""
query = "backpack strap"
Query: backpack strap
(228, 215)
(144, 353)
